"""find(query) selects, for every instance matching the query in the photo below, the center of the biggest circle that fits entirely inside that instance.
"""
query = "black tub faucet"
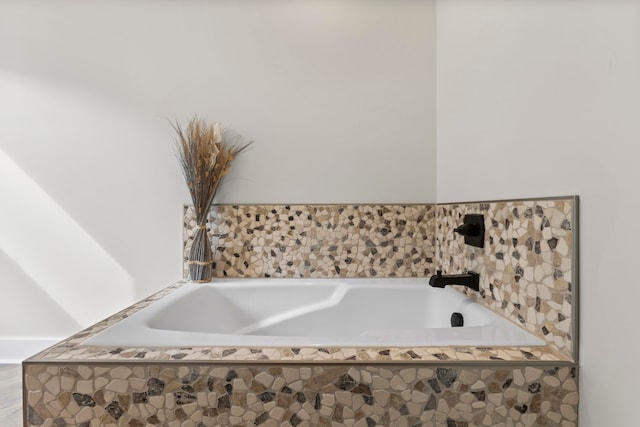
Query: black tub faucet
(469, 279)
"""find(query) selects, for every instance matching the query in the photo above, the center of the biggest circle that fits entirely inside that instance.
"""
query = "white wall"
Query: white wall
(543, 99)
(534, 99)
(338, 96)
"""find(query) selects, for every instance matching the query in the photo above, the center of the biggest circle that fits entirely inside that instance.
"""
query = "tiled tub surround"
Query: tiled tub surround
(196, 395)
(76, 384)
(527, 267)
(319, 240)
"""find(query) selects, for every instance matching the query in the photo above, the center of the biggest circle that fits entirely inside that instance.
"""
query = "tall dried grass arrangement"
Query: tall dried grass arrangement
(205, 152)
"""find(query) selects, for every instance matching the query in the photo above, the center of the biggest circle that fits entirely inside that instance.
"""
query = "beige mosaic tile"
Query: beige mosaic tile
(525, 276)
(319, 240)
(526, 267)
(299, 395)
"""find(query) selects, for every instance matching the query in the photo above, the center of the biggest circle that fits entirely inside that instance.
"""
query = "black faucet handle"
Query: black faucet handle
(470, 230)
(438, 272)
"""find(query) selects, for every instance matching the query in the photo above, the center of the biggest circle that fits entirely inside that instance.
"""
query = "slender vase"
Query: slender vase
(201, 256)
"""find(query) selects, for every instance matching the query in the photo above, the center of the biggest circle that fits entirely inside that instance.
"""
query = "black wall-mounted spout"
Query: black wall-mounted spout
(472, 229)
(470, 279)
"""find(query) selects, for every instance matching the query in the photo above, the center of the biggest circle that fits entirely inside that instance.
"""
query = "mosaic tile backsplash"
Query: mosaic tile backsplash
(319, 240)
(527, 265)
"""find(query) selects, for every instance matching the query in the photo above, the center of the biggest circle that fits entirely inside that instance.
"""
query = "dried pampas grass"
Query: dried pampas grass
(205, 152)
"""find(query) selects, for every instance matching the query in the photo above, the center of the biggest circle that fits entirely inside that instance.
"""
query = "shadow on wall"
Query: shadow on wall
(26, 300)
(55, 253)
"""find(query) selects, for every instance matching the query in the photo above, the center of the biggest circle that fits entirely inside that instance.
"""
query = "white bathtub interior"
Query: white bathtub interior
(313, 313)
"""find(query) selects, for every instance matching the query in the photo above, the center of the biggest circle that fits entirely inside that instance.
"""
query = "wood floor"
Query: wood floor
(10, 395)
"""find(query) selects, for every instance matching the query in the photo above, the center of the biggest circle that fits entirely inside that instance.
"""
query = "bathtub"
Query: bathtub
(313, 313)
